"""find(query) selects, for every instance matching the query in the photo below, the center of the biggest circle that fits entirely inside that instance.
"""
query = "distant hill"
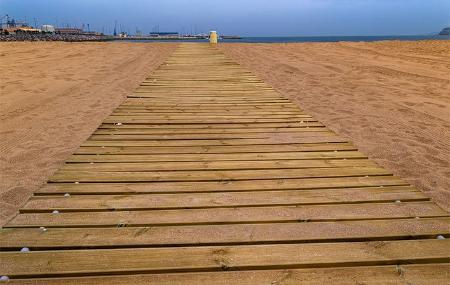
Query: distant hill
(445, 32)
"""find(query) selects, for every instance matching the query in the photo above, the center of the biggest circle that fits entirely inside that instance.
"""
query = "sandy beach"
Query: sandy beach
(52, 97)
(390, 98)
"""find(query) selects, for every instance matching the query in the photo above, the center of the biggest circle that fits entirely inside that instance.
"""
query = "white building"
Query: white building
(48, 28)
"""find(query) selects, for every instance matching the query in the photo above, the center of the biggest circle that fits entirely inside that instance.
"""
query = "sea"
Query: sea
(314, 39)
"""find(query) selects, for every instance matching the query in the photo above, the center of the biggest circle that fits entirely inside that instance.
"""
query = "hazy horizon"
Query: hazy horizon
(245, 18)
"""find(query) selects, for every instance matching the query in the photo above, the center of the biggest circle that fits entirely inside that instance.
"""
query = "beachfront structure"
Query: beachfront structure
(16, 30)
(213, 37)
(28, 30)
(164, 34)
(48, 28)
(71, 31)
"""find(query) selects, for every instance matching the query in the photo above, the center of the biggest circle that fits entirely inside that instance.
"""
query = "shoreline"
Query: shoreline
(252, 40)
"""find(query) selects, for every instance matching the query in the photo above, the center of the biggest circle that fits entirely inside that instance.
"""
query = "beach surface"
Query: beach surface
(52, 97)
(390, 98)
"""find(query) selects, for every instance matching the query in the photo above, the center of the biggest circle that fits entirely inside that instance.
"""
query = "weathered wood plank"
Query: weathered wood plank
(213, 127)
(227, 199)
(221, 186)
(280, 156)
(217, 165)
(209, 136)
(277, 141)
(54, 238)
(437, 274)
(213, 175)
(160, 260)
(307, 147)
(199, 113)
(112, 120)
(260, 131)
(231, 215)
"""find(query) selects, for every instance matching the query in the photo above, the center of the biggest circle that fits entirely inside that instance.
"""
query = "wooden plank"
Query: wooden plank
(278, 141)
(152, 117)
(165, 260)
(212, 100)
(206, 95)
(231, 215)
(211, 126)
(210, 109)
(79, 158)
(218, 165)
(112, 120)
(220, 186)
(204, 114)
(228, 199)
(307, 147)
(73, 238)
(146, 102)
(214, 175)
(230, 87)
(437, 274)
(143, 131)
(172, 89)
(271, 105)
(201, 112)
(213, 137)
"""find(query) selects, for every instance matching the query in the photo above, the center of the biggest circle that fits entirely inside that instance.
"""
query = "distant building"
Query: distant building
(164, 34)
(26, 29)
(7, 31)
(48, 28)
(21, 29)
(68, 31)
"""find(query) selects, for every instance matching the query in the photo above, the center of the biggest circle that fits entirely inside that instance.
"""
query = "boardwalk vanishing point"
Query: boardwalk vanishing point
(206, 175)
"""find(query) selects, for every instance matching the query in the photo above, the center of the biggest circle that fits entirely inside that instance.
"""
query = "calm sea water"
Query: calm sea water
(317, 39)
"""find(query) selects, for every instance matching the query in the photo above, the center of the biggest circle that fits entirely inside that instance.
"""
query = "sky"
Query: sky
(241, 17)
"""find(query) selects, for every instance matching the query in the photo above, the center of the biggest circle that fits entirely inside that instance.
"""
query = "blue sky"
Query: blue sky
(243, 17)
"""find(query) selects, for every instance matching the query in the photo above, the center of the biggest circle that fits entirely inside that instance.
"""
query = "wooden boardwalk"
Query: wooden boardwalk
(206, 175)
